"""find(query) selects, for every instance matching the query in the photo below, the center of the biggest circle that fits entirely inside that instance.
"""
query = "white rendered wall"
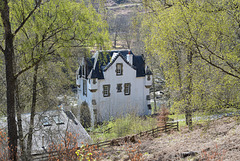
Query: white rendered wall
(118, 104)
(87, 98)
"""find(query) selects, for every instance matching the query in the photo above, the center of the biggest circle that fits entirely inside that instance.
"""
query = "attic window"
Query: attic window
(106, 90)
(119, 69)
(57, 120)
(127, 88)
(45, 121)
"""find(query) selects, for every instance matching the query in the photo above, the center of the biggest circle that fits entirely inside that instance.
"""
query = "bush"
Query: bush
(130, 124)
(163, 116)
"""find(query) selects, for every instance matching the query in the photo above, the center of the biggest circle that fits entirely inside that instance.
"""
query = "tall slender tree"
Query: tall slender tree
(26, 25)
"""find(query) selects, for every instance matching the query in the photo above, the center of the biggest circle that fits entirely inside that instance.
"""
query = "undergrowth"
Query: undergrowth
(130, 124)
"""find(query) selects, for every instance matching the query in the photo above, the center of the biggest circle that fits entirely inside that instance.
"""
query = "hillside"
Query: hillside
(217, 139)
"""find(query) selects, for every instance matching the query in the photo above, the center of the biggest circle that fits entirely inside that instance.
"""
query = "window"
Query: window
(149, 107)
(119, 69)
(94, 81)
(127, 88)
(106, 90)
(94, 102)
(148, 97)
(119, 87)
(83, 72)
(45, 121)
(84, 87)
(148, 78)
(57, 120)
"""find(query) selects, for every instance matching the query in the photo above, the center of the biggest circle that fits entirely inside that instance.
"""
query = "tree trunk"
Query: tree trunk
(115, 39)
(188, 110)
(10, 78)
(31, 126)
(19, 123)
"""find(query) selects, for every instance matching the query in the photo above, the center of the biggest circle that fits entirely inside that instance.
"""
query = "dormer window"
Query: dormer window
(119, 69)
(45, 121)
(57, 120)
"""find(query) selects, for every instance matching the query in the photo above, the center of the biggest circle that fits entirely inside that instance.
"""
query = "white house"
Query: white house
(114, 83)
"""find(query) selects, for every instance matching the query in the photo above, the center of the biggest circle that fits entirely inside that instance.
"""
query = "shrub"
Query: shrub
(214, 154)
(133, 151)
(163, 116)
(64, 150)
(122, 126)
(89, 153)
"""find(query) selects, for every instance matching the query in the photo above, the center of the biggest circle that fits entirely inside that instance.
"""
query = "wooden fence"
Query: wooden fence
(156, 132)
(133, 138)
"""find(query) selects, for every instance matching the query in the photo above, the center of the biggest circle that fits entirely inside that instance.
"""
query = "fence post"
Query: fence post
(177, 126)
(153, 132)
(165, 127)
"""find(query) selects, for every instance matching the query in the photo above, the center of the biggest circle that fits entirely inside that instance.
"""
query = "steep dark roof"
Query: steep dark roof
(104, 58)
(112, 62)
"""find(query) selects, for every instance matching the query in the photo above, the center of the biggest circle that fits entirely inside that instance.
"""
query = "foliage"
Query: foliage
(133, 151)
(3, 145)
(89, 153)
(206, 30)
(64, 150)
(85, 116)
(34, 32)
(123, 126)
(56, 27)
(215, 154)
(163, 116)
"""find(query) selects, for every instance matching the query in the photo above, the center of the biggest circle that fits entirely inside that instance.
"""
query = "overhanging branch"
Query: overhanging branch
(29, 15)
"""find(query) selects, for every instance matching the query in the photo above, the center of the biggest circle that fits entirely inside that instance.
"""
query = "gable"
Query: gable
(104, 62)
(119, 56)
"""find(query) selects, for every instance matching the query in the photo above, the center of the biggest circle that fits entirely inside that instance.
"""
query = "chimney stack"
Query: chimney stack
(130, 57)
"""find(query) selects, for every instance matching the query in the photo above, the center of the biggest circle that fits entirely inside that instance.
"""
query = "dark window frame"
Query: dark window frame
(119, 87)
(119, 69)
(106, 88)
(127, 88)
(85, 87)
(147, 97)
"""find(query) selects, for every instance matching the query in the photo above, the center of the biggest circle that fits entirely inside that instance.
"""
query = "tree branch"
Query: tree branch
(33, 64)
(29, 15)
(1, 48)
(216, 66)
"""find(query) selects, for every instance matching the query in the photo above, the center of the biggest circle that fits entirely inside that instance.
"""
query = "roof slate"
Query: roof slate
(104, 58)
